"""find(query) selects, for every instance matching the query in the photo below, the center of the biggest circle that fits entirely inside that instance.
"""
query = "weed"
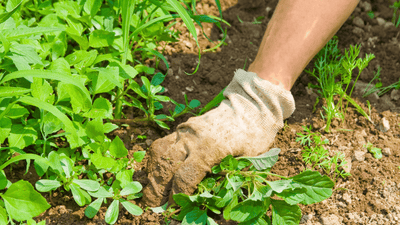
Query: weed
(376, 152)
(246, 195)
(333, 72)
(396, 7)
(315, 155)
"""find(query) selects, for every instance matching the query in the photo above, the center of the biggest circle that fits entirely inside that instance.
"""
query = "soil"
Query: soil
(371, 195)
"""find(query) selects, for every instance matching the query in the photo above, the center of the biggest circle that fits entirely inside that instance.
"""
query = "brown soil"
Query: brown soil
(371, 195)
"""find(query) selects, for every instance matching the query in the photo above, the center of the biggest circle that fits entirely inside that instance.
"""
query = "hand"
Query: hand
(245, 124)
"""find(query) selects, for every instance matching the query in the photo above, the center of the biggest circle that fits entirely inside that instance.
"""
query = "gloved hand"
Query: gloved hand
(245, 124)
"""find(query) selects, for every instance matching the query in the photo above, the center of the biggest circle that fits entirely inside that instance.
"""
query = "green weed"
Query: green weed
(333, 72)
(246, 195)
(316, 156)
(376, 152)
(396, 14)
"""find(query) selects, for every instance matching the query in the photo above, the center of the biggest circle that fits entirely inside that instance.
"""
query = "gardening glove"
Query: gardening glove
(245, 124)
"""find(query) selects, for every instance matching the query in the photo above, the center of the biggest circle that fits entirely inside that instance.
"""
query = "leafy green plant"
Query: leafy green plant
(315, 155)
(396, 14)
(377, 152)
(333, 72)
(242, 190)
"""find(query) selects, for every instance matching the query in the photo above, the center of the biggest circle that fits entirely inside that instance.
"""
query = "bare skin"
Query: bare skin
(298, 30)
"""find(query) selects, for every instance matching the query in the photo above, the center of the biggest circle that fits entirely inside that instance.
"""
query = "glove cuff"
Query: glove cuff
(259, 95)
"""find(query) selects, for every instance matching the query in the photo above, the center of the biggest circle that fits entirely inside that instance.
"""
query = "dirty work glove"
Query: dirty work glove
(245, 124)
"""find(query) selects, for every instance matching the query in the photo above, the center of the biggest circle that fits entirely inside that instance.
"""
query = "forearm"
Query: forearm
(296, 32)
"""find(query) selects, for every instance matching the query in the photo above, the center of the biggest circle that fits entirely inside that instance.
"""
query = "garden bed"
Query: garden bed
(371, 195)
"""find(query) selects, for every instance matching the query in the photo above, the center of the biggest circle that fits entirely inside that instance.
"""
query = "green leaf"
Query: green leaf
(78, 194)
(23, 202)
(91, 7)
(246, 210)
(89, 185)
(48, 75)
(95, 130)
(266, 160)
(132, 188)
(279, 185)
(117, 148)
(81, 40)
(51, 124)
(67, 164)
(12, 91)
(186, 204)
(22, 136)
(44, 185)
(285, 214)
(101, 193)
(102, 162)
(139, 156)
(111, 74)
(93, 208)
(318, 188)
(132, 208)
(6, 15)
(17, 33)
(195, 217)
(261, 220)
(124, 177)
(108, 127)
(157, 79)
(112, 212)
(5, 128)
(229, 207)
(42, 90)
(194, 103)
(101, 38)
(3, 214)
(101, 108)
(3, 180)
(160, 209)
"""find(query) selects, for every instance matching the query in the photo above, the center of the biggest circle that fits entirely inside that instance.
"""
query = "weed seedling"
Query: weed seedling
(396, 7)
(246, 195)
(377, 152)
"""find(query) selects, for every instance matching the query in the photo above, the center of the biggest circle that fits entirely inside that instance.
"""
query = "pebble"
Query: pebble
(359, 156)
(170, 72)
(358, 22)
(388, 24)
(386, 151)
(331, 220)
(395, 94)
(190, 89)
(367, 6)
(358, 31)
(149, 142)
(347, 198)
(384, 125)
(381, 21)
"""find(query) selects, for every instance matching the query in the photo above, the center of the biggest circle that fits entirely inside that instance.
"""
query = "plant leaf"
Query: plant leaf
(23, 202)
(117, 148)
(89, 185)
(195, 217)
(246, 210)
(13, 91)
(132, 208)
(112, 212)
(5, 128)
(93, 208)
(78, 194)
(285, 214)
(44, 185)
(139, 156)
(266, 160)
(318, 188)
(131, 188)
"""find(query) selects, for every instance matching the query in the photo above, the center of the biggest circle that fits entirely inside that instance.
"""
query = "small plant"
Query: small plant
(241, 190)
(333, 72)
(376, 152)
(396, 14)
(315, 155)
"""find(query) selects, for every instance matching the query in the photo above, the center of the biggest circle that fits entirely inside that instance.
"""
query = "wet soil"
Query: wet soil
(371, 195)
